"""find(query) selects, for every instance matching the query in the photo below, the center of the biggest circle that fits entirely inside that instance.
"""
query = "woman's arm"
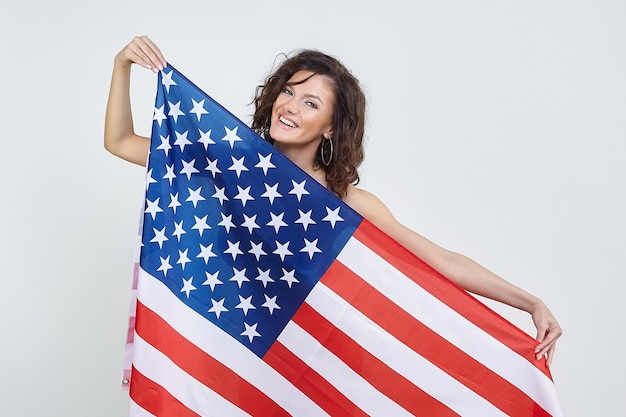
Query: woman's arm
(119, 134)
(461, 270)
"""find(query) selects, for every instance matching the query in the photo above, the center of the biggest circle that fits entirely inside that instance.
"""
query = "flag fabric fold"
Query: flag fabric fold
(257, 292)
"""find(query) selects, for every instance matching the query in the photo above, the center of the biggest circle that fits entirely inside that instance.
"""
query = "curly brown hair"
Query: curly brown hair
(348, 116)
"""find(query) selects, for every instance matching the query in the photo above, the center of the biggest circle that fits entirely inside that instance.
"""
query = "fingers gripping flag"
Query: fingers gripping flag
(260, 293)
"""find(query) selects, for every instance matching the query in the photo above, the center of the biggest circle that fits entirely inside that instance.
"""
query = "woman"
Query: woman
(313, 110)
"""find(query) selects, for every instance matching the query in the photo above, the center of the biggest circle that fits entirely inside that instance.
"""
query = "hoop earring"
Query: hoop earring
(329, 151)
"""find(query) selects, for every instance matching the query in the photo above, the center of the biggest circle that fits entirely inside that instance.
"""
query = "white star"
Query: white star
(183, 259)
(198, 109)
(194, 196)
(332, 216)
(250, 223)
(298, 189)
(305, 219)
(219, 194)
(239, 276)
(178, 230)
(264, 277)
(270, 303)
(257, 250)
(181, 140)
(310, 248)
(282, 250)
(206, 252)
(189, 168)
(165, 144)
(201, 225)
(149, 179)
(165, 265)
(227, 222)
(174, 202)
(233, 249)
(245, 304)
(212, 166)
(289, 277)
(265, 163)
(167, 80)
(159, 116)
(205, 139)
(175, 111)
(211, 280)
(238, 165)
(159, 237)
(243, 195)
(218, 307)
(187, 286)
(231, 136)
(277, 221)
(250, 331)
(153, 207)
(169, 175)
(271, 192)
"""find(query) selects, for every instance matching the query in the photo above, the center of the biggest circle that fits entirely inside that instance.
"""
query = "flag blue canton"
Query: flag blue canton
(238, 232)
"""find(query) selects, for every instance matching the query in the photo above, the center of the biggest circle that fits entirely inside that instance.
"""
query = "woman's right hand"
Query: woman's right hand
(142, 51)
(119, 133)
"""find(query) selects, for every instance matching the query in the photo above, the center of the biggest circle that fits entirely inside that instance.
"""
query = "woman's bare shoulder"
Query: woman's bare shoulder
(366, 204)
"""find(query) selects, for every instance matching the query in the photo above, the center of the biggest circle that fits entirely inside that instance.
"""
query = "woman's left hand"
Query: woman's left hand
(548, 331)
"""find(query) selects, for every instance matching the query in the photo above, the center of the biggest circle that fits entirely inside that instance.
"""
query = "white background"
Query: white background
(495, 128)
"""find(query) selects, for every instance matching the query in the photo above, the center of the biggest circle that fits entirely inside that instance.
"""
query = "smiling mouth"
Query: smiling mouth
(287, 122)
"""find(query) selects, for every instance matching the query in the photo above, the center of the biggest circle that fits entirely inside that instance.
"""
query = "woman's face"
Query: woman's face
(302, 113)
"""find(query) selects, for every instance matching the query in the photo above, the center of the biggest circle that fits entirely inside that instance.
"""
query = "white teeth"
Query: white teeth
(287, 122)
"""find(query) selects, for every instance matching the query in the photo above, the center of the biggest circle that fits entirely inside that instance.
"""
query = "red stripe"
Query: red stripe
(446, 291)
(427, 343)
(155, 399)
(380, 376)
(130, 335)
(310, 383)
(203, 367)
(135, 276)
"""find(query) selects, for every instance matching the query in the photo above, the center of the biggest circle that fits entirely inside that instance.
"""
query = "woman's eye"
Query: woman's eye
(287, 91)
(311, 104)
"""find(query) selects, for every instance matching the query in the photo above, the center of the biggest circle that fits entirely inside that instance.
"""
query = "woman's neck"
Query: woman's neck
(304, 159)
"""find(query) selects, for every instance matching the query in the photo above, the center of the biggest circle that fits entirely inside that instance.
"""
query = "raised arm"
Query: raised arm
(461, 270)
(119, 134)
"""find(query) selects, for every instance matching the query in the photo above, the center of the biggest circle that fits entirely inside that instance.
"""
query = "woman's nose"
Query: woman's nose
(290, 106)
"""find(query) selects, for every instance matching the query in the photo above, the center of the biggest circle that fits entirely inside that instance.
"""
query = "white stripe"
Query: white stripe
(398, 356)
(331, 368)
(157, 367)
(135, 410)
(449, 324)
(210, 338)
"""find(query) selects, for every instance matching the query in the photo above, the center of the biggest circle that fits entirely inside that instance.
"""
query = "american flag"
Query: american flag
(258, 292)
